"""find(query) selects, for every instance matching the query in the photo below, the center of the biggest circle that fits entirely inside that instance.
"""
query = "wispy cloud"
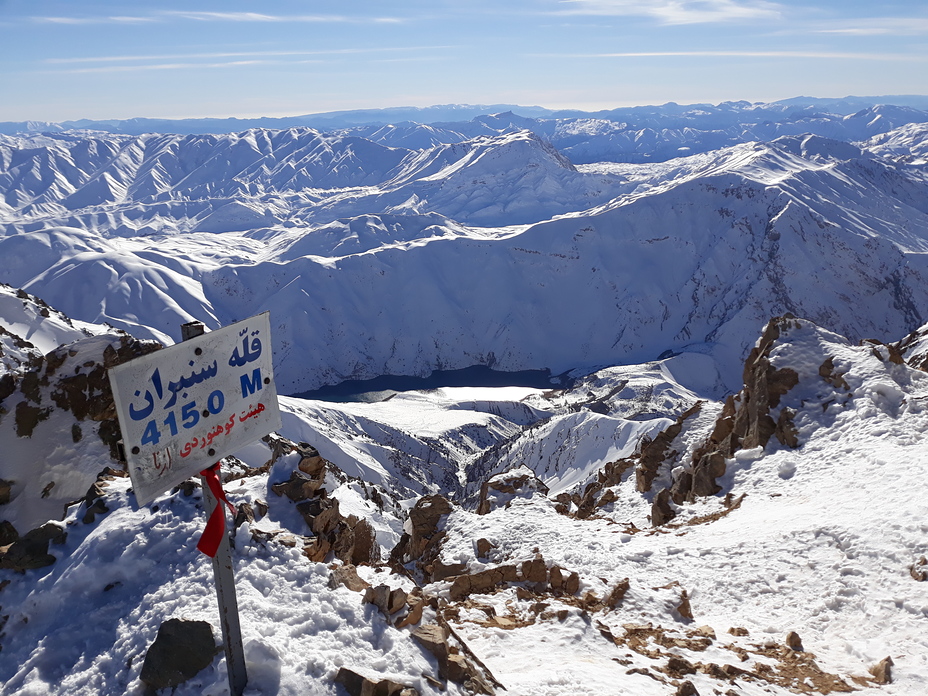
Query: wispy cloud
(241, 54)
(252, 17)
(678, 11)
(94, 20)
(877, 26)
(166, 66)
(261, 17)
(838, 55)
(212, 60)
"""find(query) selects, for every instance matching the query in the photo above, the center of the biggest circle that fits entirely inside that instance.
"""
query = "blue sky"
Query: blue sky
(101, 59)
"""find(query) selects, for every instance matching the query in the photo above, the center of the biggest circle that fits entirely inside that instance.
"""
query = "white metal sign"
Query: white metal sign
(183, 408)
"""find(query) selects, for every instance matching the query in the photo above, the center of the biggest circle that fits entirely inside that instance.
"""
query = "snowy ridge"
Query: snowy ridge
(692, 254)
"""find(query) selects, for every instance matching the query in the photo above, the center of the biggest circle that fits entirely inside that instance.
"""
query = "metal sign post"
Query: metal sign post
(180, 411)
(223, 576)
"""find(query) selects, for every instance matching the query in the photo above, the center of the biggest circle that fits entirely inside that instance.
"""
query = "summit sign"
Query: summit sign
(183, 408)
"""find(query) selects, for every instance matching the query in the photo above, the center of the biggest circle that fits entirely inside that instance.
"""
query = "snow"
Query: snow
(408, 249)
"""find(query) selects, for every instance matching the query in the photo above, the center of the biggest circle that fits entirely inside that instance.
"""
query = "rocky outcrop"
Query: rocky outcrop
(483, 582)
(452, 665)
(745, 421)
(502, 489)
(350, 539)
(534, 574)
(181, 650)
(346, 575)
(661, 512)
(655, 452)
(358, 685)
(30, 551)
(421, 542)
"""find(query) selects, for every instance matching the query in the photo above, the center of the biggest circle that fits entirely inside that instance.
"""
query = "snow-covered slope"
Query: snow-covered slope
(691, 254)
(822, 538)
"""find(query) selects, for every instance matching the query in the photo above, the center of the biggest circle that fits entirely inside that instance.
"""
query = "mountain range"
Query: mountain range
(720, 490)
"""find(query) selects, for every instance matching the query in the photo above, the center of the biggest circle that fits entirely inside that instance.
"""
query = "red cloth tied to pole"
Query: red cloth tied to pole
(216, 524)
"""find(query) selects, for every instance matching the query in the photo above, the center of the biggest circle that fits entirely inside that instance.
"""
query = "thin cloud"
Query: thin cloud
(165, 66)
(239, 54)
(877, 26)
(94, 20)
(678, 11)
(741, 54)
(252, 17)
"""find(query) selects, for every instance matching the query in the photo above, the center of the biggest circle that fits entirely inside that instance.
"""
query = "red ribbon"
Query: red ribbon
(216, 524)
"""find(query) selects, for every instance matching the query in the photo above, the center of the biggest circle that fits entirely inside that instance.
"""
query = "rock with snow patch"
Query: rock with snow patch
(30, 551)
(661, 511)
(745, 421)
(483, 582)
(347, 575)
(502, 489)
(655, 451)
(358, 685)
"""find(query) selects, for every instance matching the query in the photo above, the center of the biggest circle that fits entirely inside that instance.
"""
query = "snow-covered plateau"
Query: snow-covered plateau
(727, 497)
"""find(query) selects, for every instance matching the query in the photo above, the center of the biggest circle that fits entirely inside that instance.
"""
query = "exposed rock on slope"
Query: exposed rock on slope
(44, 395)
(746, 421)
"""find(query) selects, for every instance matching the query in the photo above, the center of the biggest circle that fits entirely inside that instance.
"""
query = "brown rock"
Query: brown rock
(358, 685)
(8, 533)
(358, 545)
(347, 575)
(299, 486)
(684, 609)
(501, 489)
(738, 631)
(661, 512)
(440, 571)
(745, 420)
(317, 549)
(433, 638)
(686, 689)
(677, 667)
(396, 601)
(919, 570)
(425, 519)
(5, 490)
(181, 650)
(556, 578)
(312, 464)
(655, 452)
(793, 641)
(615, 596)
(882, 671)
(31, 550)
(483, 548)
(830, 375)
(482, 582)
(705, 632)
(414, 615)
(534, 571)
(28, 417)
(572, 584)
(379, 596)
(245, 513)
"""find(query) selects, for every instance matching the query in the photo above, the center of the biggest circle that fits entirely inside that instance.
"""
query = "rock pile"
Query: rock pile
(349, 539)
(502, 489)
